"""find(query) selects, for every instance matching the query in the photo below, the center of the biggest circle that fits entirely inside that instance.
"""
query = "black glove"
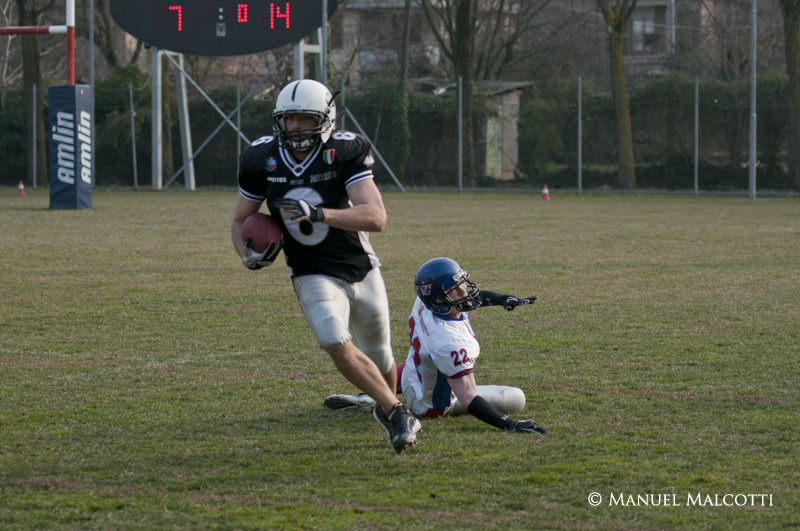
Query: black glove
(509, 302)
(512, 302)
(525, 426)
(255, 260)
(300, 210)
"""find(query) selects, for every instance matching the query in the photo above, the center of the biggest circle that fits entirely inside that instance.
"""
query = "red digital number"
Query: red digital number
(275, 12)
(179, 9)
(241, 13)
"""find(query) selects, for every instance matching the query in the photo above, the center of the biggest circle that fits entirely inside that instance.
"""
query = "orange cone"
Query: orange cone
(545, 193)
(20, 188)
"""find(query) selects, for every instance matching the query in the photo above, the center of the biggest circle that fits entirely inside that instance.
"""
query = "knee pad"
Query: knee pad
(504, 398)
(332, 346)
(330, 332)
(513, 399)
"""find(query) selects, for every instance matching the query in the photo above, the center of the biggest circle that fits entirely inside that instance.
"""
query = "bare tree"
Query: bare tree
(725, 48)
(563, 41)
(729, 40)
(108, 37)
(500, 36)
(28, 15)
(403, 141)
(10, 60)
(453, 23)
(480, 38)
(791, 29)
(616, 18)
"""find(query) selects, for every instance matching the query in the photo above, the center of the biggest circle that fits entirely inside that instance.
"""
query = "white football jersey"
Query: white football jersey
(441, 347)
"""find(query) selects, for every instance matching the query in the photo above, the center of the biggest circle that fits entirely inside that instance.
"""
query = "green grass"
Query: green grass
(150, 381)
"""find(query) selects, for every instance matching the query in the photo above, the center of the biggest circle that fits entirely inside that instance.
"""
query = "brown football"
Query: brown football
(263, 229)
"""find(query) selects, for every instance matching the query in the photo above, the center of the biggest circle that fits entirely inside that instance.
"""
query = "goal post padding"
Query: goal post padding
(70, 160)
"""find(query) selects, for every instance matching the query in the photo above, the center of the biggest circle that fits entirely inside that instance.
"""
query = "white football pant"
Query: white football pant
(333, 307)
(504, 398)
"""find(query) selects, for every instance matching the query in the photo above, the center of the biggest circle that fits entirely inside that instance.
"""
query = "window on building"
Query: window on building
(644, 37)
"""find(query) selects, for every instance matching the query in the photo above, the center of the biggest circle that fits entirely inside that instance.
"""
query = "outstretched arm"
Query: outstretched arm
(509, 302)
(477, 406)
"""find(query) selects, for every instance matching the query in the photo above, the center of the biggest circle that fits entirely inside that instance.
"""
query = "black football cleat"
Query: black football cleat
(400, 425)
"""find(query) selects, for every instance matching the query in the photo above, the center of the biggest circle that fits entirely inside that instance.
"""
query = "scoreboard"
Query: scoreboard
(219, 27)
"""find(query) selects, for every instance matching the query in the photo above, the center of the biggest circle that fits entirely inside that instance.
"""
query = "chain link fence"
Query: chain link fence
(687, 132)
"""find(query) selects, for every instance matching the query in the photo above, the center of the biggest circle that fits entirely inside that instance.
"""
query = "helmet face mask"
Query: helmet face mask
(464, 303)
(308, 98)
(437, 279)
(299, 138)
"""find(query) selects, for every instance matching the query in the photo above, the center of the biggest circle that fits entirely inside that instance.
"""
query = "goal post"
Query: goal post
(68, 29)
(71, 125)
(32, 30)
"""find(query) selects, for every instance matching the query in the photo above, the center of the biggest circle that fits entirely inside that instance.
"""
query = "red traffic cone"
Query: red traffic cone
(20, 188)
(545, 193)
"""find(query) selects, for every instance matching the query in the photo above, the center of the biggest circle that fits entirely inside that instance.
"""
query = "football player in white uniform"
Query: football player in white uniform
(437, 377)
(318, 184)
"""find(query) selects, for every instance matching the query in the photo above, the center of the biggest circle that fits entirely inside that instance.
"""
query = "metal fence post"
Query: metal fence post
(33, 151)
(460, 140)
(156, 162)
(696, 133)
(753, 118)
(238, 123)
(133, 137)
(323, 46)
(344, 115)
(580, 136)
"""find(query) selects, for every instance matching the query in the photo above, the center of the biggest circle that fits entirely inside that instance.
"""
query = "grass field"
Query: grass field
(150, 381)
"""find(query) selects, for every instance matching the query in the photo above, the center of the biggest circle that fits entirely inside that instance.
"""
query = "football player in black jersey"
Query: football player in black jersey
(318, 184)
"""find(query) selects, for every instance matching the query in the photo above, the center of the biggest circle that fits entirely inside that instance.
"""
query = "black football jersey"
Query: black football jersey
(267, 172)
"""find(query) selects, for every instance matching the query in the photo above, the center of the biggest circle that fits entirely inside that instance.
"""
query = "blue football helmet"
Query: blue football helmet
(436, 279)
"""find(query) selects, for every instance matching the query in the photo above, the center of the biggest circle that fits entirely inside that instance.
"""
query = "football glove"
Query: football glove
(525, 426)
(512, 302)
(509, 302)
(255, 260)
(300, 210)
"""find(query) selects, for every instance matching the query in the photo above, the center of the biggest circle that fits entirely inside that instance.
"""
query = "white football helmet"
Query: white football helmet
(308, 97)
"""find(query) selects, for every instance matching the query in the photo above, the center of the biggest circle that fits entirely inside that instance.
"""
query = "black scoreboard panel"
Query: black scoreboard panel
(219, 27)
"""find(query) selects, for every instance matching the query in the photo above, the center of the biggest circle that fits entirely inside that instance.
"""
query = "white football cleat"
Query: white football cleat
(349, 402)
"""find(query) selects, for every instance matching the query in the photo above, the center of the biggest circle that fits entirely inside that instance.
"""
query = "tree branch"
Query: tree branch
(427, 9)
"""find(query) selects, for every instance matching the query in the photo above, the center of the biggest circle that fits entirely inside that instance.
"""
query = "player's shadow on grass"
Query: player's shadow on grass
(299, 429)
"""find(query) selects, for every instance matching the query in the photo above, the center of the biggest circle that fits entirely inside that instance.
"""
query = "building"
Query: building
(366, 40)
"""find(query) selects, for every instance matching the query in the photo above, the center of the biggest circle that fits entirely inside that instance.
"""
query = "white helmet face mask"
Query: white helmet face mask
(310, 98)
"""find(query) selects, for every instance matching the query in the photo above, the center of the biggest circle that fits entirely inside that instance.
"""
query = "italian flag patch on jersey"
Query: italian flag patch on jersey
(327, 156)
